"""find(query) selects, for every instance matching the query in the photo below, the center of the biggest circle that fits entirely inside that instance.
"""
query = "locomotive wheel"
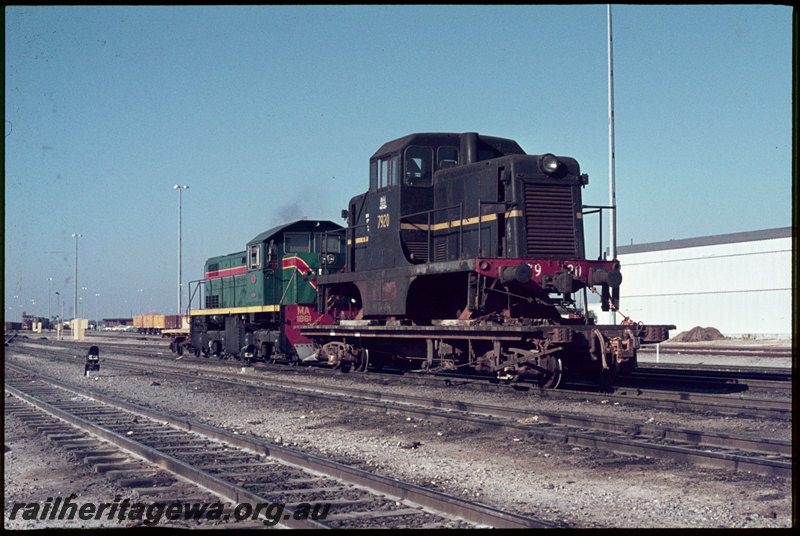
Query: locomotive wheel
(555, 372)
(364, 365)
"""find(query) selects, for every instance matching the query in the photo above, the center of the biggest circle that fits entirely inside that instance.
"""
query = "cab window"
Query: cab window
(373, 176)
(394, 170)
(254, 257)
(418, 166)
(328, 243)
(384, 172)
(297, 243)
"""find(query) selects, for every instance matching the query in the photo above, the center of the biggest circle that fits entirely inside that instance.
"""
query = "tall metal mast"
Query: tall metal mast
(612, 198)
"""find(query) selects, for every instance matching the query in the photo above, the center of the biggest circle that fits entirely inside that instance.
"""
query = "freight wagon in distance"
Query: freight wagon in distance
(157, 324)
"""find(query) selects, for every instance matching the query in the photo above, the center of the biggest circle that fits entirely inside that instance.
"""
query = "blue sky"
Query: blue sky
(270, 114)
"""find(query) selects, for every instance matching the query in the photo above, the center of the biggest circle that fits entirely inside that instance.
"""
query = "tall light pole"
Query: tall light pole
(83, 302)
(180, 189)
(75, 304)
(96, 315)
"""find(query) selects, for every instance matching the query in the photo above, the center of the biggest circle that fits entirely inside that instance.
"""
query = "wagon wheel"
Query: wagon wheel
(364, 365)
(555, 371)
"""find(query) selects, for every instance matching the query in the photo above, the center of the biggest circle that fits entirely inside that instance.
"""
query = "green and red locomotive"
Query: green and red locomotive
(254, 301)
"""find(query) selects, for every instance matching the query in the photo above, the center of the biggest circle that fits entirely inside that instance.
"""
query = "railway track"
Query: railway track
(731, 401)
(711, 378)
(712, 350)
(729, 451)
(245, 470)
(699, 388)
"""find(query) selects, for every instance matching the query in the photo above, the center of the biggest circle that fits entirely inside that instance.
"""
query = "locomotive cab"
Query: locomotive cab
(408, 199)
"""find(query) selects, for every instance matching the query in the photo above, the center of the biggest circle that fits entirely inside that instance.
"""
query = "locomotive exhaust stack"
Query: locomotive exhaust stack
(469, 147)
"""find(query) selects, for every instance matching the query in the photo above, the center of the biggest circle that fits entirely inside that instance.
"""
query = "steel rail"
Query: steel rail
(701, 380)
(640, 439)
(224, 489)
(727, 404)
(429, 499)
(680, 400)
(749, 351)
(735, 371)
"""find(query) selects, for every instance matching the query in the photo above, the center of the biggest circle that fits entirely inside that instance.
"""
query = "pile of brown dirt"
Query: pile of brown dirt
(698, 334)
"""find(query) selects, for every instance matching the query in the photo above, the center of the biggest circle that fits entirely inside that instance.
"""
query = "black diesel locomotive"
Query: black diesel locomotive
(466, 253)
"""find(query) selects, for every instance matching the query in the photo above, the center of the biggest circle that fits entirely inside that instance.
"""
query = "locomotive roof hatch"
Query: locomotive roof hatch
(469, 142)
(299, 225)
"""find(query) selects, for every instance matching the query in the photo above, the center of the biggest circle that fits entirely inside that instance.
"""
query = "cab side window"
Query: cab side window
(418, 166)
(254, 257)
(384, 172)
(373, 176)
(327, 243)
(297, 243)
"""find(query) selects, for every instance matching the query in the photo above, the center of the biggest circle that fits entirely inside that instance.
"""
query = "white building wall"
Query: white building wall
(744, 288)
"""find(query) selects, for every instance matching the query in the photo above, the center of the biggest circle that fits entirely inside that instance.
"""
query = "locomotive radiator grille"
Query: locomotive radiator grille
(418, 249)
(549, 220)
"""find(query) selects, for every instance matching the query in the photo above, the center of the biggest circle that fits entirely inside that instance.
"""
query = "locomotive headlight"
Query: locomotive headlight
(330, 258)
(549, 164)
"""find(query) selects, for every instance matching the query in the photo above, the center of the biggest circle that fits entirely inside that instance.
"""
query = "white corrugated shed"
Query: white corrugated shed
(739, 283)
